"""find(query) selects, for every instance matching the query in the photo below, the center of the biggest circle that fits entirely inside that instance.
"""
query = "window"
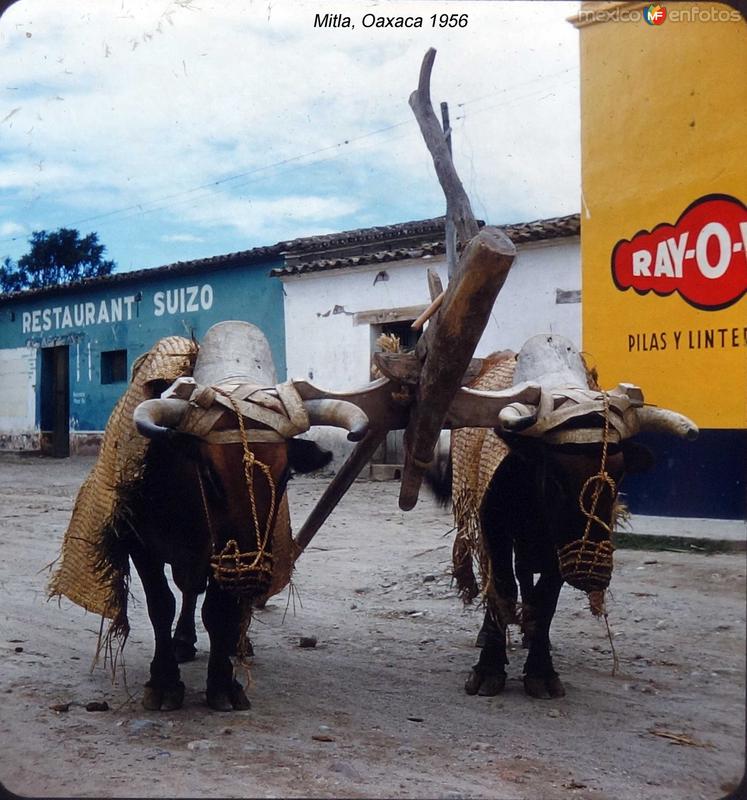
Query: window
(406, 336)
(113, 366)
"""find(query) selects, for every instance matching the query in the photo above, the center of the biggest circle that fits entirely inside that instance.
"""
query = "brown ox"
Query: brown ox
(211, 502)
(536, 497)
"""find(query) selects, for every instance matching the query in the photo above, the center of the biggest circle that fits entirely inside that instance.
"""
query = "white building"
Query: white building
(346, 289)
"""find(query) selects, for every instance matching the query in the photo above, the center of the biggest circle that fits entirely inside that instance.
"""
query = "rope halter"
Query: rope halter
(246, 573)
(584, 563)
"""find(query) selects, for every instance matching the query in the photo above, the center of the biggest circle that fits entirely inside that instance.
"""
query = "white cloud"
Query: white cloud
(133, 105)
(182, 237)
(11, 229)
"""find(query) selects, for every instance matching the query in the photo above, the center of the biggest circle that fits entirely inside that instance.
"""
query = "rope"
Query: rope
(233, 569)
(250, 461)
(600, 480)
(593, 560)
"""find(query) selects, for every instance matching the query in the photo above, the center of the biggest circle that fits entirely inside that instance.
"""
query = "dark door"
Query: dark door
(55, 399)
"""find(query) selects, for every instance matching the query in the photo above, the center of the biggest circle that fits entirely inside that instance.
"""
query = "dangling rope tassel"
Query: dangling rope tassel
(615, 661)
(243, 646)
(584, 563)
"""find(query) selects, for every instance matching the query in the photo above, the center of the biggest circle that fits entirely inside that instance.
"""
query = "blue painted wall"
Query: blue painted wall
(131, 315)
(705, 478)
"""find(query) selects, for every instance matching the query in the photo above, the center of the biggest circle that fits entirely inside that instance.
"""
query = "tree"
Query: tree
(61, 256)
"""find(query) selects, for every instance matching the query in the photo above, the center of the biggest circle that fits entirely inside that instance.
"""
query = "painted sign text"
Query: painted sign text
(703, 256)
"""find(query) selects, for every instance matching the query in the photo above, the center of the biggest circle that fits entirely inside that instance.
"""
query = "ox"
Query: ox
(548, 482)
(210, 496)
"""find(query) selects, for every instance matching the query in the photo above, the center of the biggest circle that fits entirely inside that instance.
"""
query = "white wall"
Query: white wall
(527, 303)
(18, 398)
(329, 350)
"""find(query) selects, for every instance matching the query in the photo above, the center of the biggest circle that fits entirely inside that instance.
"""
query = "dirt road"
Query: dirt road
(376, 709)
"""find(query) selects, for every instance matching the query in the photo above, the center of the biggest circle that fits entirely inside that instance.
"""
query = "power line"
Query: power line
(187, 196)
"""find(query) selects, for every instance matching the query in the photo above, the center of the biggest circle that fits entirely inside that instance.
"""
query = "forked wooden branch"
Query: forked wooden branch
(444, 352)
(458, 204)
(447, 347)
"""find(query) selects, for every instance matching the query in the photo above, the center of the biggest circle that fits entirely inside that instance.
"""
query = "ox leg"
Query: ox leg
(525, 576)
(221, 614)
(164, 691)
(185, 635)
(488, 676)
(540, 678)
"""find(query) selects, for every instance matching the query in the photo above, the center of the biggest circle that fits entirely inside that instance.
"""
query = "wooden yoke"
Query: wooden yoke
(447, 346)
(432, 377)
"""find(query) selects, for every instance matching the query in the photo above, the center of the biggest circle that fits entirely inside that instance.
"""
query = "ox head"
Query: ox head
(578, 441)
(232, 423)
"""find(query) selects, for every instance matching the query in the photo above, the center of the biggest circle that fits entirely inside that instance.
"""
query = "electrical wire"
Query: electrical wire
(198, 193)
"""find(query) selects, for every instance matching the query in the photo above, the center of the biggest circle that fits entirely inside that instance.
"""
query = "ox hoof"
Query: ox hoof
(486, 685)
(555, 687)
(159, 698)
(184, 651)
(543, 688)
(526, 641)
(234, 699)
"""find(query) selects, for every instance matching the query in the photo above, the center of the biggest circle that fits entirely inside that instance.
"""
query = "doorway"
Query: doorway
(55, 401)
(391, 452)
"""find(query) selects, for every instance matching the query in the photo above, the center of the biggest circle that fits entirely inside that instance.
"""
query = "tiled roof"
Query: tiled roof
(352, 248)
(362, 236)
(519, 233)
(241, 258)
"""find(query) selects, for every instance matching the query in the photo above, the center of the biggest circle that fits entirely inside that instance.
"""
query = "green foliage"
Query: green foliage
(61, 256)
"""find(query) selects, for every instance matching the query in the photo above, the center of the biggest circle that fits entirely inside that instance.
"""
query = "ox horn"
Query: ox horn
(339, 414)
(516, 417)
(661, 420)
(157, 418)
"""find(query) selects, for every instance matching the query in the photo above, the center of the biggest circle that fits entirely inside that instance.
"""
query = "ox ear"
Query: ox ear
(305, 455)
(638, 457)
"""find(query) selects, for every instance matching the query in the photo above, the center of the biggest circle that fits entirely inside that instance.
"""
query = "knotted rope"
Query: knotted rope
(585, 563)
(245, 573)
(233, 569)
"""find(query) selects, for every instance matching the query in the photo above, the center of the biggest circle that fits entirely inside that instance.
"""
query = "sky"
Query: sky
(183, 129)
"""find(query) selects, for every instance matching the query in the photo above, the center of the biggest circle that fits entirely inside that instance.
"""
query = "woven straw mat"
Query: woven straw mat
(88, 574)
(476, 455)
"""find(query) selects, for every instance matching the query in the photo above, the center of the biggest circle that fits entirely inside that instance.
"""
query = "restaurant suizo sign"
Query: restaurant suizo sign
(702, 256)
(54, 317)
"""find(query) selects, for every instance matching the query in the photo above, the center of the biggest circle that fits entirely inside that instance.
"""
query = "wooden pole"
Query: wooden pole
(450, 233)
(435, 287)
(337, 487)
(428, 313)
(456, 197)
(447, 347)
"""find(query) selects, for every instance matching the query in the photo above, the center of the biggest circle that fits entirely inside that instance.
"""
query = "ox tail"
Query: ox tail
(439, 478)
(305, 455)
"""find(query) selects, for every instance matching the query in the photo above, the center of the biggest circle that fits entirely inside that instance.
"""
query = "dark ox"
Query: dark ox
(569, 454)
(211, 489)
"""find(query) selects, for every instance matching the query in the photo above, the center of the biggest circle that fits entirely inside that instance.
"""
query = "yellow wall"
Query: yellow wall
(664, 122)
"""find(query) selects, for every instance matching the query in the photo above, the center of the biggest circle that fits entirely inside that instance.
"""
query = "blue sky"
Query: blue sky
(181, 129)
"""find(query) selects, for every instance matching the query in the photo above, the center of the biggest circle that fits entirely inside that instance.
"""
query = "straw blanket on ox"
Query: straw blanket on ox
(476, 454)
(94, 568)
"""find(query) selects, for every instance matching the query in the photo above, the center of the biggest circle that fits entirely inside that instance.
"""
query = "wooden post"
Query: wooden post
(435, 287)
(446, 348)
(450, 233)
(337, 487)
(456, 197)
